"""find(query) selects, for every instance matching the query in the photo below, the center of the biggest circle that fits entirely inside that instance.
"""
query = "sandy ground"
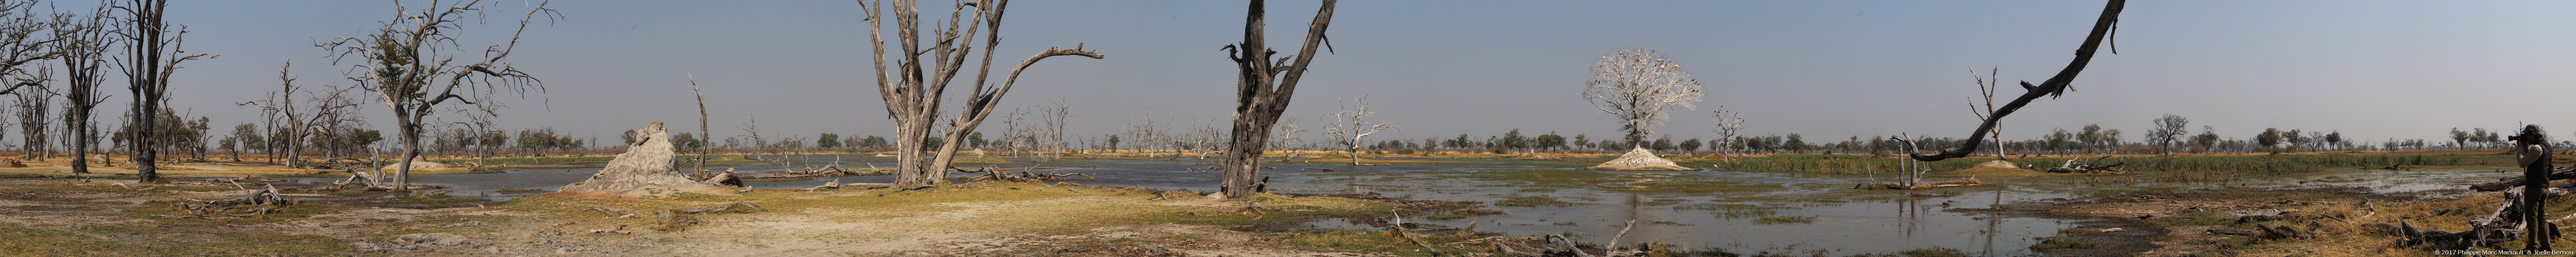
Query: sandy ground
(951, 229)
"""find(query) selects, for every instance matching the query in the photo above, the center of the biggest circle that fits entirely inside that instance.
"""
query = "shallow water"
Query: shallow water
(1844, 221)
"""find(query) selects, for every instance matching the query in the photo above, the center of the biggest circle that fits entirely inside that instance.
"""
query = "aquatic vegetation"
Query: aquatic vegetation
(1534, 201)
(1785, 220)
(2059, 243)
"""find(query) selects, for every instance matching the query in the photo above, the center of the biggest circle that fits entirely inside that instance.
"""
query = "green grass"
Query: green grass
(1372, 241)
(1533, 201)
(1919, 252)
(1785, 220)
(2060, 243)
(141, 240)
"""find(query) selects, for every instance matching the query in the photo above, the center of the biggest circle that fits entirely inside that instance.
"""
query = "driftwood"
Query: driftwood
(836, 184)
(1399, 230)
(1024, 176)
(727, 178)
(2088, 167)
(2507, 183)
(831, 170)
(254, 202)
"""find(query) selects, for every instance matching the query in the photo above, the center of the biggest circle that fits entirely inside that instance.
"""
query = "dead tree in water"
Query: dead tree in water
(1350, 126)
(406, 63)
(2054, 86)
(913, 100)
(1263, 86)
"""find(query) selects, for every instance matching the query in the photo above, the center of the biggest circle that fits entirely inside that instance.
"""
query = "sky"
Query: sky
(1825, 69)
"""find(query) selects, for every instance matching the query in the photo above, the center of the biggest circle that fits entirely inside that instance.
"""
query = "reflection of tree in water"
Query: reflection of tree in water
(1994, 225)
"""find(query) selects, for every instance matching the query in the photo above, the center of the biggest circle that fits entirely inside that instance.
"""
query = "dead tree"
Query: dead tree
(983, 101)
(1728, 124)
(1287, 137)
(1350, 126)
(1263, 85)
(913, 91)
(1986, 90)
(2054, 86)
(20, 48)
(702, 125)
(152, 53)
(1054, 118)
(34, 107)
(1637, 85)
(83, 43)
(407, 64)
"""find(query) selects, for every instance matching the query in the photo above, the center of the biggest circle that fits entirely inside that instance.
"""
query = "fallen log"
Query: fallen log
(266, 199)
(2506, 183)
(2087, 167)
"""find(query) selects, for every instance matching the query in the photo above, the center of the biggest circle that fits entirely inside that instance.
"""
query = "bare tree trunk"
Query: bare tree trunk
(153, 58)
(703, 132)
(1262, 93)
(982, 103)
(2056, 85)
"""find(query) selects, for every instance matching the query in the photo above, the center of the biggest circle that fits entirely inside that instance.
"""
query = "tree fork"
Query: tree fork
(1262, 93)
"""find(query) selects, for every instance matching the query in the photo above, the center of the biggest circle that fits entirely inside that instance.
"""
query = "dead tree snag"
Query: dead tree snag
(2054, 86)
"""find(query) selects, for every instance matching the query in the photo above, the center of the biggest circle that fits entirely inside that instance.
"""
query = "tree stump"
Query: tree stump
(645, 170)
(1639, 159)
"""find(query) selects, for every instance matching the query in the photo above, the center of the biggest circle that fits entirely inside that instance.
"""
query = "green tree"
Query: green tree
(1796, 143)
(1690, 146)
(687, 140)
(2334, 138)
(872, 141)
(1661, 144)
(2459, 139)
(826, 140)
(2272, 136)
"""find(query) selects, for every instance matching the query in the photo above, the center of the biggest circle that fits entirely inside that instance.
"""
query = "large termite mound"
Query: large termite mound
(643, 171)
(1639, 159)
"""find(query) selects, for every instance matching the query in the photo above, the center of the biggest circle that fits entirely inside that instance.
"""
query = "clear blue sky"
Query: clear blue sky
(1829, 69)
